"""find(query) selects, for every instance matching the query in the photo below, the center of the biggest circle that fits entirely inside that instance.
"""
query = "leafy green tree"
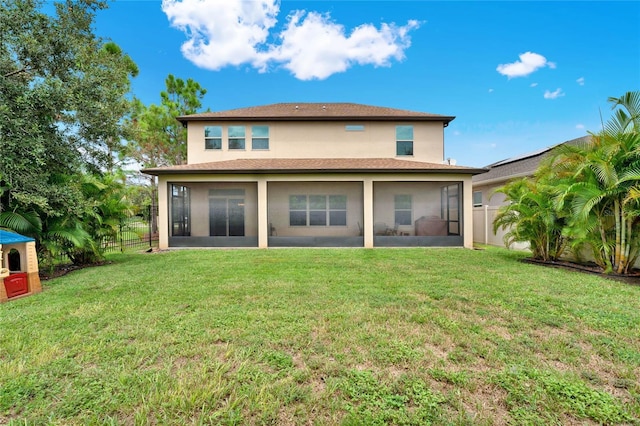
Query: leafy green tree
(156, 137)
(62, 100)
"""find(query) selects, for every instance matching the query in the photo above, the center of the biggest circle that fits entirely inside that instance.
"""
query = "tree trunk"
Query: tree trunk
(618, 247)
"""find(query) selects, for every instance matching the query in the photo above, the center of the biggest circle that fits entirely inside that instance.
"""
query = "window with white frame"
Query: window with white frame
(212, 137)
(259, 137)
(477, 198)
(236, 137)
(403, 209)
(318, 210)
(404, 140)
(337, 210)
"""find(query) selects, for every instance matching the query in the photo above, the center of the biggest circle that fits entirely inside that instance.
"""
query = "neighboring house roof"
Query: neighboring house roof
(13, 238)
(520, 166)
(316, 112)
(313, 165)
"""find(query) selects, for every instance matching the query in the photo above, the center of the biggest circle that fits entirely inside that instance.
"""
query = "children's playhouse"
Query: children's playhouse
(18, 266)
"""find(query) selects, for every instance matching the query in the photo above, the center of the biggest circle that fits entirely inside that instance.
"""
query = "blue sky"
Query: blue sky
(519, 76)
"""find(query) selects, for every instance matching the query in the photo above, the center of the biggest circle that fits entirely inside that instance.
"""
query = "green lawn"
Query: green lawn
(353, 337)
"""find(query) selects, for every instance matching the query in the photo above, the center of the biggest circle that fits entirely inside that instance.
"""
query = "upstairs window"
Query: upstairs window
(354, 127)
(260, 137)
(404, 140)
(212, 137)
(236, 137)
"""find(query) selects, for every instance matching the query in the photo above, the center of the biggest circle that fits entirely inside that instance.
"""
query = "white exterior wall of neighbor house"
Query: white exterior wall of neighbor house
(366, 181)
(489, 196)
(320, 139)
(484, 215)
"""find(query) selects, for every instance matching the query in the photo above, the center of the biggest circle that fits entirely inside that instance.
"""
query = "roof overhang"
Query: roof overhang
(313, 166)
(443, 119)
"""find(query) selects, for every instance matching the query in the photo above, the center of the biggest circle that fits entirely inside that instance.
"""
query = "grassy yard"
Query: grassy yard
(352, 337)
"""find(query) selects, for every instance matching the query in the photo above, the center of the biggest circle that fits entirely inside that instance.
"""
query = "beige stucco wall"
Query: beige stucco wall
(268, 183)
(321, 140)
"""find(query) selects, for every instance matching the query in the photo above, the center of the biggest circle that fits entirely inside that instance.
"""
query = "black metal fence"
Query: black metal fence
(135, 232)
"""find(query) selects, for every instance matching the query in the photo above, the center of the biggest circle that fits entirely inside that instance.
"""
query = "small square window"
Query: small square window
(338, 218)
(318, 217)
(477, 198)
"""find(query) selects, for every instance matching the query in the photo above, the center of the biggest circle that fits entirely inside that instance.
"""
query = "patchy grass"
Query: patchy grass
(387, 336)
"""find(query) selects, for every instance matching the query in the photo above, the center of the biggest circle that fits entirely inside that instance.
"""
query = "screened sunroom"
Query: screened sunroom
(302, 213)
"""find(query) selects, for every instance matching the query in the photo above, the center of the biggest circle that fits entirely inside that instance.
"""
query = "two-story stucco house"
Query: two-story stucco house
(312, 174)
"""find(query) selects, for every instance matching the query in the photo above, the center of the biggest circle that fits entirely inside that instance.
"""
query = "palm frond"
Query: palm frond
(22, 222)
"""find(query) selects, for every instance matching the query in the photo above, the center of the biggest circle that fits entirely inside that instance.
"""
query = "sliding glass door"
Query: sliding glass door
(226, 217)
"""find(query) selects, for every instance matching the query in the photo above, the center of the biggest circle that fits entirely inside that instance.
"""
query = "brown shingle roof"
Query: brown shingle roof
(316, 112)
(313, 165)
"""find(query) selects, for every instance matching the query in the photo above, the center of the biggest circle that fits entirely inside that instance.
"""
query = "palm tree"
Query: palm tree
(532, 217)
(600, 181)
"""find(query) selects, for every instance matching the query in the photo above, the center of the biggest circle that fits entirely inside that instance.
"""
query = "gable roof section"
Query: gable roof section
(519, 166)
(312, 165)
(316, 112)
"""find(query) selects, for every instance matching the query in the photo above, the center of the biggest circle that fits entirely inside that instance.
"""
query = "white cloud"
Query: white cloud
(490, 90)
(580, 126)
(528, 63)
(533, 84)
(580, 81)
(311, 46)
(553, 95)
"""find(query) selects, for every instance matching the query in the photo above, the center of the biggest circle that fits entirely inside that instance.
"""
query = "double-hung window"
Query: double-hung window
(337, 210)
(318, 210)
(404, 140)
(402, 205)
(236, 137)
(212, 137)
(260, 137)
(298, 210)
